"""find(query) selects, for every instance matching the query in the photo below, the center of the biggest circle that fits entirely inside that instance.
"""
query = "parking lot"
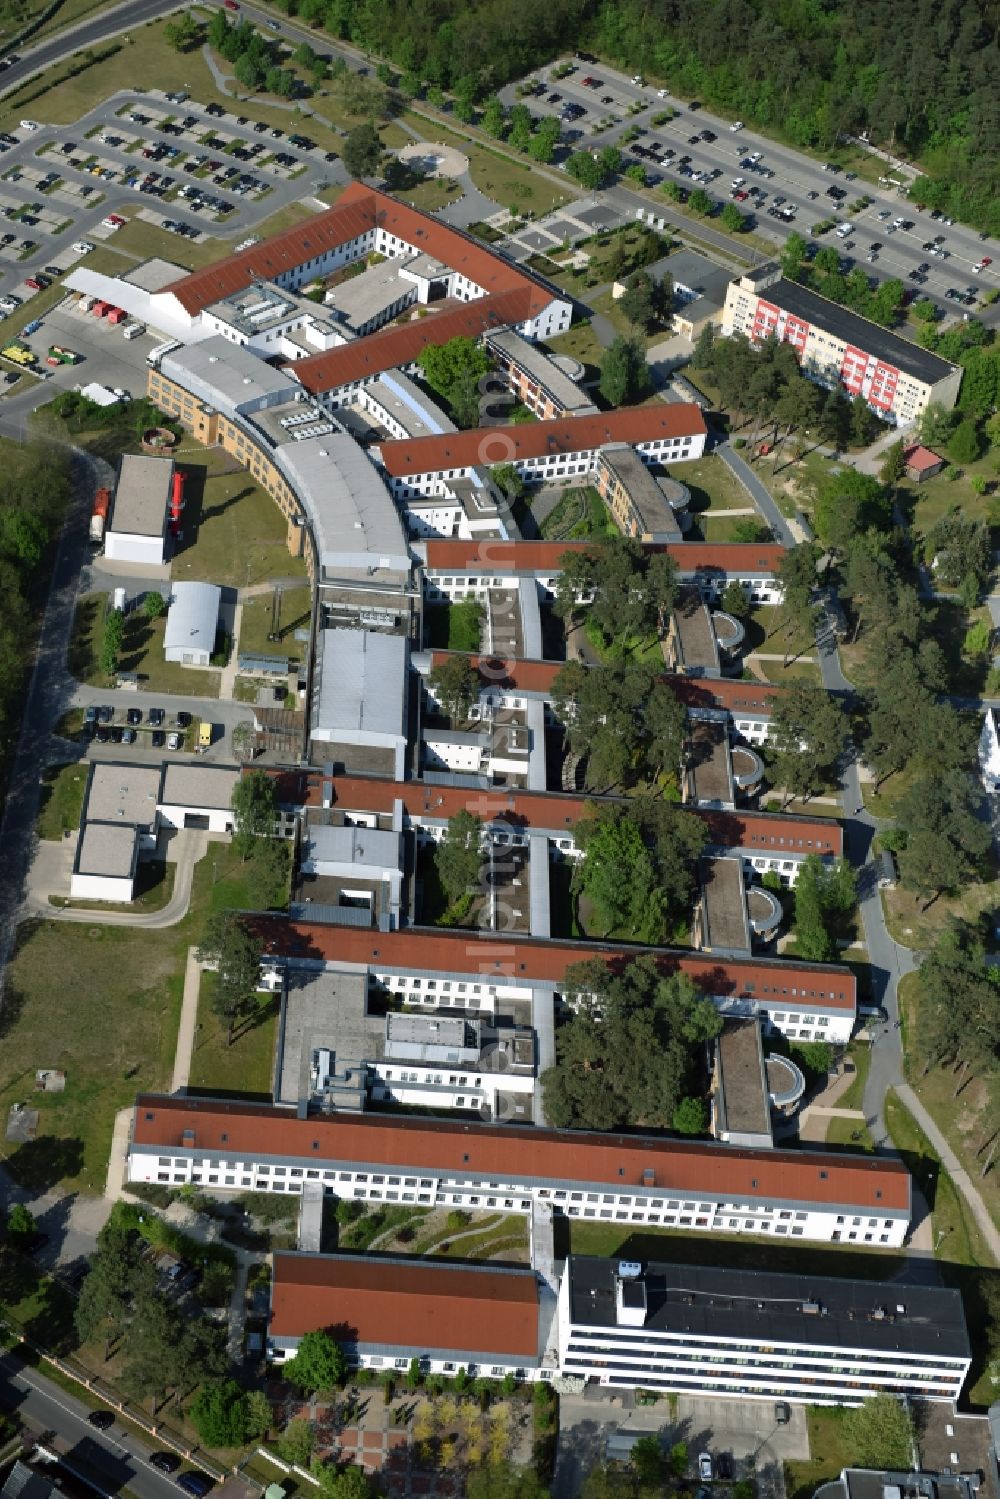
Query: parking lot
(189, 169)
(784, 191)
(105, 355)
(741, 1437)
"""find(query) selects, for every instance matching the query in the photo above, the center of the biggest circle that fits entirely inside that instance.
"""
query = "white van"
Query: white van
(133, 330)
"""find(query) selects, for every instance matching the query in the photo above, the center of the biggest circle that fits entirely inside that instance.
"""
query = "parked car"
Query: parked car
(83, 247)
(164, 1462)
(195, 1482)
(183, 720)
(158, 739)
(134, 716)
(705, 1471)
(128, 736)
(173, 741)
(155, 717)
(782, 1413)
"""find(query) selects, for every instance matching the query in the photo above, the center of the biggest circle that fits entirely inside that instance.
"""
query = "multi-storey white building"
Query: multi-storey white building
(558, 448)
(837, 347)
(742, 1334)
(636, 1179)
(472, 569)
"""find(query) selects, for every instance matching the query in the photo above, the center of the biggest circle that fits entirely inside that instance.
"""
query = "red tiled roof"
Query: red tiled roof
(400, 343)
(538, 960)
(753, 831)
(500, 1152)
(564, 434)
(406, 1303)
(920, 458)
(357, 210)
(543, 556)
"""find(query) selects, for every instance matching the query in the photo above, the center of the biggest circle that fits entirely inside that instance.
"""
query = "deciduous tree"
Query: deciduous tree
(362, 150)
(808, 736)
(625, 374)
(319, 1363)
(455, 683)
(255, 809)
(458, 856)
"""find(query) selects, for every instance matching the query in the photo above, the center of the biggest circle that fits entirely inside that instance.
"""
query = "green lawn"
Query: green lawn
(914, 926)
(61, 800)
(579, 342)
(849, 1132)
(967, 1116)
(962, 1242)
(255, 626)
(453, 627)
(142, 652)
(738, 1251)
(247, 1066)
(829, 1454)
(796, 671)
(501, 178)
(431, 195)
(101, 1002)
(580, 516)
(234, 533)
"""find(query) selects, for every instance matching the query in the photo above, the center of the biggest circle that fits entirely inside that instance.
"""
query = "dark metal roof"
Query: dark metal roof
(772, 1308)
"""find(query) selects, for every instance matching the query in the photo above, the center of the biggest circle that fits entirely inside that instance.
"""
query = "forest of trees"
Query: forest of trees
(806, 71)
(35, 495)
(919, 78)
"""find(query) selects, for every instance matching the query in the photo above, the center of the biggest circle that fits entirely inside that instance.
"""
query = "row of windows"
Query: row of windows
(619, 1343)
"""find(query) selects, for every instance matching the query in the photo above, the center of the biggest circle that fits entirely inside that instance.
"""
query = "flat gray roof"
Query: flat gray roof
(140, 507)
(362, 684)
(360, 298)
(655, 512)
(890, 348)
(415, 412)
(209, 786)
(744, 1095)
(122, 793)
(695, 634)
(153, 274)
(708, 760)
(697, 278)
(107, 848)
(227, 376)
(536, 363)
(361, 847)
(193, 617)
(354, 517)
(725, 905)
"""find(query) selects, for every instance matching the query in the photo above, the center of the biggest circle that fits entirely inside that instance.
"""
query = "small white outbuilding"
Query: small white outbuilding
(192, 622)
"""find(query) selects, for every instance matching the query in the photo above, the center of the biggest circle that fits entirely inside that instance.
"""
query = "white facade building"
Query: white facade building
(740, 1335)
(707, 1188)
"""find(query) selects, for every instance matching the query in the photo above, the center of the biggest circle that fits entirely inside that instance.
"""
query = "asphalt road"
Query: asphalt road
(110, 22)
(795, 176)
(108, 1461)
